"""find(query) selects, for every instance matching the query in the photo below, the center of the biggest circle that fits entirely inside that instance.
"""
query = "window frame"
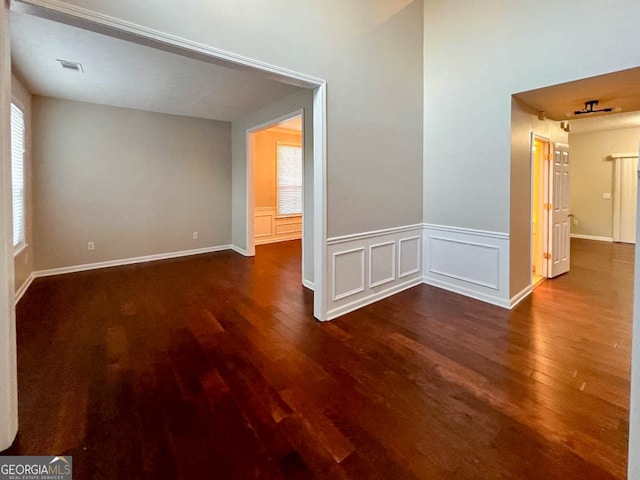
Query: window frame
(296, 145)
(21, 245)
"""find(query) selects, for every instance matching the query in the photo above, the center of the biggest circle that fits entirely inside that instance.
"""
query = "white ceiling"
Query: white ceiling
(124, 74)
(606, 122)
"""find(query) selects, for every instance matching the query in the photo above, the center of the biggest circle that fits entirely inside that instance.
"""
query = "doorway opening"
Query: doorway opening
(279, 168)
(540, 151)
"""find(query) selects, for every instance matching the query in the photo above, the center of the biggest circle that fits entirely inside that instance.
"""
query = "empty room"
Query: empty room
(319, 240)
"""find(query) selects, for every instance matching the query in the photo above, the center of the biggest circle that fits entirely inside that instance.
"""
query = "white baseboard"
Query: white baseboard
(591, 237)
(520, 296)
(467, 292)
(368, 300)
(128, 261)
(23, 288)
(310, 285)
(267, 241)
(239, 250)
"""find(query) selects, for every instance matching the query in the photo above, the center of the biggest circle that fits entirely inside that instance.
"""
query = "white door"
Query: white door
(625, 192)
(559, 214)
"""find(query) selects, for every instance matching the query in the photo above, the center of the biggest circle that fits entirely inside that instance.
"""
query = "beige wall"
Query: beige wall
(23, 262)
(370, 53)
(592, 175)
(266, 166)
(524, 122)
(135, 183)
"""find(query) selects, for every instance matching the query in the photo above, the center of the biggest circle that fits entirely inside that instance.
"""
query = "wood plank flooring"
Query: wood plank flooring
(212, 367)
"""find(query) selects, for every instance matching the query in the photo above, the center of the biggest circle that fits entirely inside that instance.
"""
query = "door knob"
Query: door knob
(571, 215)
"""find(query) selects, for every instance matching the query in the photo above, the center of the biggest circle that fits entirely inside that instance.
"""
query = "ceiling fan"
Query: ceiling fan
(589, 108)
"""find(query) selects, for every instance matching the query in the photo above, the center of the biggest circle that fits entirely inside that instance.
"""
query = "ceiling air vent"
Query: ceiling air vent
(73, 66)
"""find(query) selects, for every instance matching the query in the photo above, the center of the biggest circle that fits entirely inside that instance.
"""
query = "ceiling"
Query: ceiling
(620, 90)
(125, 74)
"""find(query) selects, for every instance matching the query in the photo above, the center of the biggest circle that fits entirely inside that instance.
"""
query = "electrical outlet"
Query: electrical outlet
(606, 195)
(195, 235)
(574, 222)
(91, 246)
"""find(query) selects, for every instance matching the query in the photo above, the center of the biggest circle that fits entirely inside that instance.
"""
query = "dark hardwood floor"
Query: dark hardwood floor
(211, 367)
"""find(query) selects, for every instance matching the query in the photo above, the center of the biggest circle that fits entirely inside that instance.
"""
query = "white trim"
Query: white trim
(372, 234)
(591, 237)
(520, 296)
(468, 231)
(402, 274)
(622, 155)
(308, 284)
(63, 12)
(492, 299)
(373, 284)
(129, 261)
(320, 280)
(24, 287)
(368, 300)
(239, 250)
(353, 291)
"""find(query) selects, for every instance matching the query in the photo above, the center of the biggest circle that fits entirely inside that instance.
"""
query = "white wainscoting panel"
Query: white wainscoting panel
(474, 263)
(270, 228)
(377, 258)
(348, 268)
(382, 263)
(409, 261)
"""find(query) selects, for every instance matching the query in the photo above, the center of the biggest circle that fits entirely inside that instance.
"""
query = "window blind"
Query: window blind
(289, 180)
(17, 173)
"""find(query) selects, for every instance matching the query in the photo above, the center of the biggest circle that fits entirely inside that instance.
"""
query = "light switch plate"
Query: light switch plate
(606, 195)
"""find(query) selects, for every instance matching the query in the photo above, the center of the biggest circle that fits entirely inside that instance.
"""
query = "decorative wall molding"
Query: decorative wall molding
(129, 261)
(591, 237)
(348, 272)
(413, 256)
(474, 263)
(372, 234)
(373, 257)
(269, 228)
(308, 284)
(376, 267)
(467, 231)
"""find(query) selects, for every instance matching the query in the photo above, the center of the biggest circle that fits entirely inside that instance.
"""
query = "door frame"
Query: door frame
(545, 199)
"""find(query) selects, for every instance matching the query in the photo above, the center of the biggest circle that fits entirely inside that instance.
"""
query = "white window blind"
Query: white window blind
(289, 180)
(17, 173)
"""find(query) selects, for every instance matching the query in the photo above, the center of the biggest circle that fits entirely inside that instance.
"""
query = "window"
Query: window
(289, 180)
(17, 174)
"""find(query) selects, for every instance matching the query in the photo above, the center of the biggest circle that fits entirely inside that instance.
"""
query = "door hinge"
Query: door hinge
(548, 157)
(547, 256)
(547, 206)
